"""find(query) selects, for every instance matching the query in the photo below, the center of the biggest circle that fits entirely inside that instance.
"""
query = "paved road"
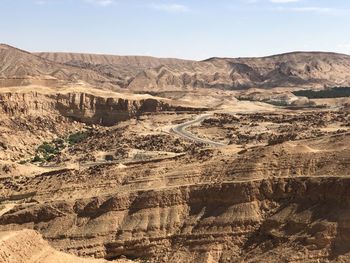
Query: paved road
(180, 129)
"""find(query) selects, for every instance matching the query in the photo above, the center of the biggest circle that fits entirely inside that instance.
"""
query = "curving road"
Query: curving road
(180, 130)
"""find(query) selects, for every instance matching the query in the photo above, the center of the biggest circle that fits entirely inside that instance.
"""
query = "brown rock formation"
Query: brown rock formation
(231, 222)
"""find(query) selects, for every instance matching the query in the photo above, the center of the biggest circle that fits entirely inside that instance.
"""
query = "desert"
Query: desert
(138, 159)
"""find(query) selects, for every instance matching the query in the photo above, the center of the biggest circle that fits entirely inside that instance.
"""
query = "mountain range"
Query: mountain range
(140, 73)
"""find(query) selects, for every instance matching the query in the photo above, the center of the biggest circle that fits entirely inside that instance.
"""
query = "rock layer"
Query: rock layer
(228, 222)
(83, 107)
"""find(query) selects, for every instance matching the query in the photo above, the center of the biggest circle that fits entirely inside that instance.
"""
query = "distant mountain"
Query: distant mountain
(19, 67)
(122, 69)
(138, 73)
(311, 69)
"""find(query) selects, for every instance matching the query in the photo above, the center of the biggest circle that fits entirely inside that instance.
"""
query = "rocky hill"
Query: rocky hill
(137, 73)
(307, 69)
(18, 68)
(287, 70)
(122, 69)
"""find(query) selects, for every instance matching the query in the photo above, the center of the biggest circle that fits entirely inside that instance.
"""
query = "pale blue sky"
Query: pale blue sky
(194, 29)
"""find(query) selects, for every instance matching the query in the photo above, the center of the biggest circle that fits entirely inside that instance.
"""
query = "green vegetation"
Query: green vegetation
(37, 159)
(78, 137)
(47, 151)
(48, 148)
(337, 92)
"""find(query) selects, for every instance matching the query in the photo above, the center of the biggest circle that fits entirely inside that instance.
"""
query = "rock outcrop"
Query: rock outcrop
(83, 107)
(227, 222)
(30, 117)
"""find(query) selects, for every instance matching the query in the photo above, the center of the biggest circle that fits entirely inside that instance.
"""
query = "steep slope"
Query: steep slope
(281, 203)
(38, 113)
(137, 73)
(18, 67)
(231, 222)
(121, 68)
(96, 59)
(299, 68)
(287, 70)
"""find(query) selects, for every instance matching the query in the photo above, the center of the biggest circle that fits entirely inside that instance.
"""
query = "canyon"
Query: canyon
(139, 159)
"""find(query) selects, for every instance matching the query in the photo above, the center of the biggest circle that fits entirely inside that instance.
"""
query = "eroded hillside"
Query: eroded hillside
(137, 73)
(135, 189)
(21, 68)
(190, 173)
(308, 69)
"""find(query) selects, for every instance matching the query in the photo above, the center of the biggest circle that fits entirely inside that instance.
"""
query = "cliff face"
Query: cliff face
(82, 107)
(108, 111)
(29, 118)
(217, 222)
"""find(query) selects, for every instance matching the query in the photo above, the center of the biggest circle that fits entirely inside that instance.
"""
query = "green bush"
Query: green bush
(37, 159)
(46, 152)
(77, 137)
(49, 158)
(59, 143)
(47, 148)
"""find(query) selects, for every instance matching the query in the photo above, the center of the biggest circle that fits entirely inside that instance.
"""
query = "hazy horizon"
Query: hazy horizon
(182, 29)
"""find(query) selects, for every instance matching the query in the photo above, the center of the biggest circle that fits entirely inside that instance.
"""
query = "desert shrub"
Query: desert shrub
(59, 143)
(47, 151)
(49, 158)
(47, 148)
(78, 137)
(37, 159)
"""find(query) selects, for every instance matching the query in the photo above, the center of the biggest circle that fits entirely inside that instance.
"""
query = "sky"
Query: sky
(192, 29)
